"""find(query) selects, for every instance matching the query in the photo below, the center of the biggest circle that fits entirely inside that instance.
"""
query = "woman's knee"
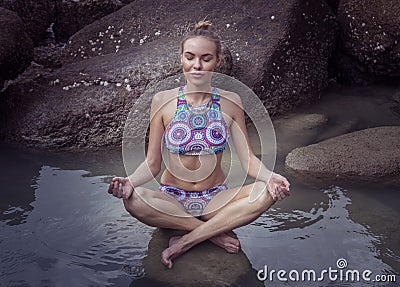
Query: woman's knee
(136, 205)
(261, 196)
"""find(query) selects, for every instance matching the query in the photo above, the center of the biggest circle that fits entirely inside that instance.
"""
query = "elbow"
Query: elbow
(154, 165)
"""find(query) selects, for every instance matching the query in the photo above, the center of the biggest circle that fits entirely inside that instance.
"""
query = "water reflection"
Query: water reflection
(313, 239)
(78, 235)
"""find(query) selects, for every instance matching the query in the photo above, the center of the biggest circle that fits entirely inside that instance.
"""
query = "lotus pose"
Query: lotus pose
(194, 122)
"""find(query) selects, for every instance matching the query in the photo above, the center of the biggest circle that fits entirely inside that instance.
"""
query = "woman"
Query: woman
(195, 121)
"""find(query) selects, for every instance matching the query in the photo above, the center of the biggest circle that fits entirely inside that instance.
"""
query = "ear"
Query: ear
(219, 61)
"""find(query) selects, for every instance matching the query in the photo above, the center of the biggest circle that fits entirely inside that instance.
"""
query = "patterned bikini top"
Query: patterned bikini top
(197, 130)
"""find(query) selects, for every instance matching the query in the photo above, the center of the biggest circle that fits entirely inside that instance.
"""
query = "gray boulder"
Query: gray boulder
(279, 49)
(84, 104)
(368, 46)
(369, 154)
(16, 48)
(37, 15)
(74, 15)
(205, 265)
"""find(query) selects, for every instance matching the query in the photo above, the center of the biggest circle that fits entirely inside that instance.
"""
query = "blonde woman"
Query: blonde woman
(194, 123)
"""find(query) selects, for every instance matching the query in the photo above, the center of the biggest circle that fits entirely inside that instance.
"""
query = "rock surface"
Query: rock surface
(74, 15)
(16, 48)
(70, 108)
(282, 53)
(369, 154)
(204, 265)
(37, 15)
(368, 45)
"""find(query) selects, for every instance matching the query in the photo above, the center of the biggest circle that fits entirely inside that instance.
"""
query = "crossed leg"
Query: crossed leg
(224, 213)
(162, 210)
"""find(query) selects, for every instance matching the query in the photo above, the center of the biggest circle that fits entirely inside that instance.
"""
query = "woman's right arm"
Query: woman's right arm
(150, 168)
(123, 187)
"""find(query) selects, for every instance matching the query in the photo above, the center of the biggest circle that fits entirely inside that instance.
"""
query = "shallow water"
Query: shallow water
(59, 226)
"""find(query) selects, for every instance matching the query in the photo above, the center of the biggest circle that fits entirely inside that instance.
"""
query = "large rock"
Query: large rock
(205, 265)
(73, 15)
(84, 104)
(370, 154)
(280, 49)
(368, 46)
(284, 64)
(36, 14)
(16, 48)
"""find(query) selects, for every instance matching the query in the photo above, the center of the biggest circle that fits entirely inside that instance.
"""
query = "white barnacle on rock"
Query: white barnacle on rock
(158, 33)
(105, 83)
(111, 36)
(126, 80)
(363, 25)
(93, 49)
(66, 88)
(128, 88)
(228, 25)
(106, 31)
(118, 84)
(273, 17)
(101, 34)
(120, 31)
(109, 27)
(141, 41)
(132, 40)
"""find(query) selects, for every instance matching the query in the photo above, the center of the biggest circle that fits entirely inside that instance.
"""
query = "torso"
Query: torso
(192, 172)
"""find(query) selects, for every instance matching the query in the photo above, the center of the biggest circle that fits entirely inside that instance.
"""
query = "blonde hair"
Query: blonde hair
(203, 28)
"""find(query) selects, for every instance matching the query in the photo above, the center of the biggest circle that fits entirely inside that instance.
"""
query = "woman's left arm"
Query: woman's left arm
(278, 186)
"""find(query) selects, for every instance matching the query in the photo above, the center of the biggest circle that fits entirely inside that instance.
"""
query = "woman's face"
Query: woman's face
(199, 55)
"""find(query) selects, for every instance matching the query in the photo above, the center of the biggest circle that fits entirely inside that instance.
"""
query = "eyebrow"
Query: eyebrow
(201, 55)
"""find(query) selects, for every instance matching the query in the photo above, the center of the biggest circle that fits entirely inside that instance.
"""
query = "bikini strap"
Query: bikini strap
(216, 98)
(181, 97)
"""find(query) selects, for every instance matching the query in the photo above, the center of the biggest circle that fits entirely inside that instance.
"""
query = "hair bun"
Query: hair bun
(203, 25)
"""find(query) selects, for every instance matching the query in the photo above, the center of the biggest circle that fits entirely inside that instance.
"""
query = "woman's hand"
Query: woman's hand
(278, 186)
(121, 187)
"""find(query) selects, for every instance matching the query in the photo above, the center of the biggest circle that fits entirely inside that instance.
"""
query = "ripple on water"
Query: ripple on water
(314, 238)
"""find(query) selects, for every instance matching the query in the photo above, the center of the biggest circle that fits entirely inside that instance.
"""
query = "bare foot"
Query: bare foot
(174, 250)
(230, 244)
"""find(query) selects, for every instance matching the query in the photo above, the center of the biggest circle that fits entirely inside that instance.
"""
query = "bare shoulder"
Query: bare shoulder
(230, 99)
(165, 96)
(165, 103)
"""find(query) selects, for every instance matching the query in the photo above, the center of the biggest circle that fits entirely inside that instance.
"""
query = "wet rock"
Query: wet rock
(279, 49)
(294, 129)
(203, 265)
(36, 14)
(16, 48)
(370, 154)
(84, 104)
(284, 64)
(368, 46)
(73, 15)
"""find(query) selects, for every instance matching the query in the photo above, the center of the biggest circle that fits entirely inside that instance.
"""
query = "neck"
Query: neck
(197, 95)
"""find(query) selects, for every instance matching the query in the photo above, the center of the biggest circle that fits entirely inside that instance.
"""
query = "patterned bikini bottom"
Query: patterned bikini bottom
(193, 201)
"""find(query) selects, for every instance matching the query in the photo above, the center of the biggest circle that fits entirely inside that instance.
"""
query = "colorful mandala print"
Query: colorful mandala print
(179, 134)
(198, 121)
(193, 201)
(196, 133)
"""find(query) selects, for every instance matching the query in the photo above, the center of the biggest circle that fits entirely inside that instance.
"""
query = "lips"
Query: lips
(197, 74)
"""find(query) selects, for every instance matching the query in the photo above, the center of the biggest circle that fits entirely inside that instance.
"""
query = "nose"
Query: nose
(197, 64)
